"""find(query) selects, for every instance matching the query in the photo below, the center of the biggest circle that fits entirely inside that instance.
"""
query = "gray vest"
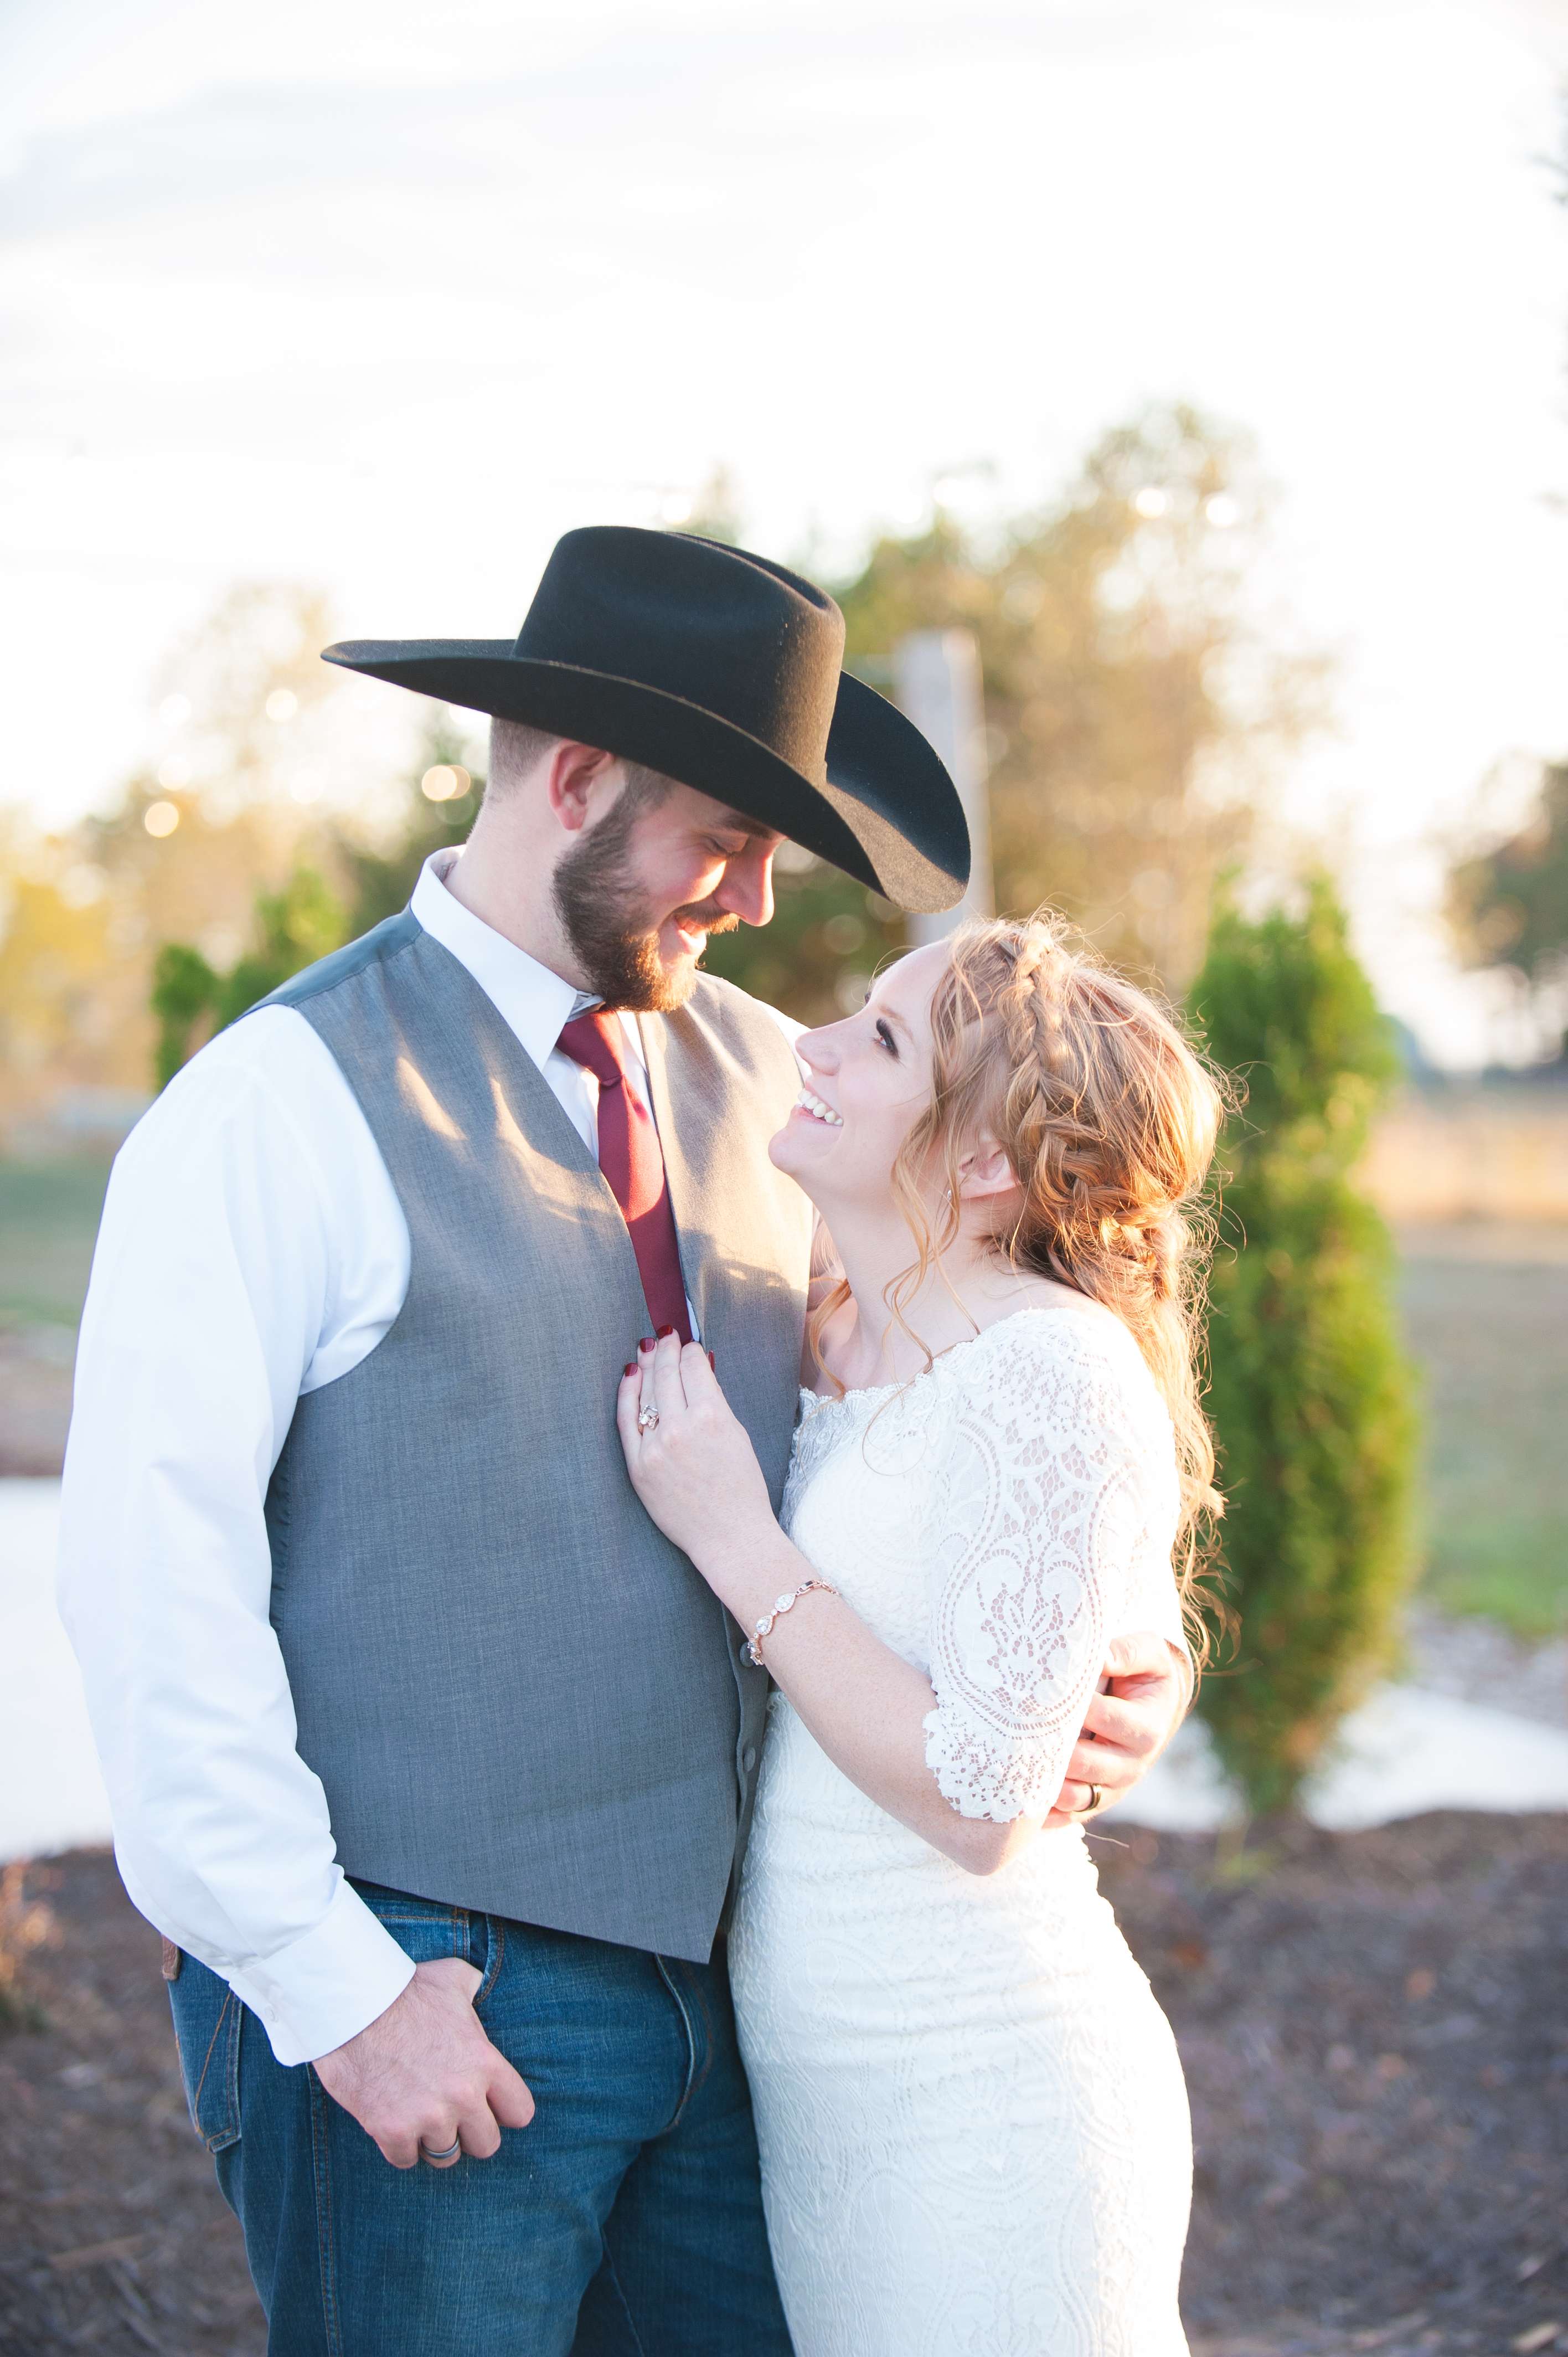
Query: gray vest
(518, 1695)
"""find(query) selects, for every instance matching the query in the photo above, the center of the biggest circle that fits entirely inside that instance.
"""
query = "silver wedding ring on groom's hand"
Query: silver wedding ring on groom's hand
(454, 2148)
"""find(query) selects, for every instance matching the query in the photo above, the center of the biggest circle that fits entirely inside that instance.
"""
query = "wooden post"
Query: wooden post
(936, 678)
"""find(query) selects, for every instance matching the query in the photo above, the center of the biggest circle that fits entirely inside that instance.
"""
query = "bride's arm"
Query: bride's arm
(973, 1777)
(697, 1474)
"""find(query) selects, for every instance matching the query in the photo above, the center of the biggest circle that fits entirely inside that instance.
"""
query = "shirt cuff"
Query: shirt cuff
(328, 1984)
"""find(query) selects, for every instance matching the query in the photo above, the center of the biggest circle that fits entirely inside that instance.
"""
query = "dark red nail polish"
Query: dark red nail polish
(711, 1362)
(646, 1344)
(630, 1368)
(665, 1330)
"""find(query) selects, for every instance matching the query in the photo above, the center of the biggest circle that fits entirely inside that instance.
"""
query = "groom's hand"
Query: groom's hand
(423, 2072)
(1127, 1727)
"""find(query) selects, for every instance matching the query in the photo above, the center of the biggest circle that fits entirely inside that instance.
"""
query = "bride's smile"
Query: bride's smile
(868, 1078)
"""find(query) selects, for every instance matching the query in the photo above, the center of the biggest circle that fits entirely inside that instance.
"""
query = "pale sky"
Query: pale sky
(383, 298)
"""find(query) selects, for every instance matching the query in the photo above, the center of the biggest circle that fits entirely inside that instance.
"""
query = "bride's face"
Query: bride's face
(869, 1082)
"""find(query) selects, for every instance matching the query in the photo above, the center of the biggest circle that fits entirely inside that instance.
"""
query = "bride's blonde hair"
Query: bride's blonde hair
(1109, 1122)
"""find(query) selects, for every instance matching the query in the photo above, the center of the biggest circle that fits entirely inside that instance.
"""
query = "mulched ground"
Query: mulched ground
(1375, 2032)
(1375, 2028)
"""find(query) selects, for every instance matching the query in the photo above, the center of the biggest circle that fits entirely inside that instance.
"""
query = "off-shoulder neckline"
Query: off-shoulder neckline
(1096, 1312)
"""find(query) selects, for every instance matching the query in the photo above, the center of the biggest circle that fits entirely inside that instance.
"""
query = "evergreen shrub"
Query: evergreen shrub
(1311, 1392)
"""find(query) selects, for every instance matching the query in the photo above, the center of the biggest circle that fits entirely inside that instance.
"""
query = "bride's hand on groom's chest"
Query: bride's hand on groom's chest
(691, 1459)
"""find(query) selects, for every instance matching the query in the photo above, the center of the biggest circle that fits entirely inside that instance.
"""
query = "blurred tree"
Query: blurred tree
(56, 923)
(1310, 1390)
(191, 1001)
(246, 699)
(234, 799)
(1135, 709)
(715, 511)
(435, 805)
(1508, 907)
(193, 996)
(174, 871)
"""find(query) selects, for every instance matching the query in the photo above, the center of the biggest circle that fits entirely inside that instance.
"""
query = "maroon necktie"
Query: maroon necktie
(633, 1165)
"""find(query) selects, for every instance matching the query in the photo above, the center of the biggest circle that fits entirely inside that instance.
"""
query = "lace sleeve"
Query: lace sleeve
(1054, 1515)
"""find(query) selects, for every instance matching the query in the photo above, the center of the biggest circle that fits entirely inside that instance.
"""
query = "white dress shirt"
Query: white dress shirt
(253, 1248)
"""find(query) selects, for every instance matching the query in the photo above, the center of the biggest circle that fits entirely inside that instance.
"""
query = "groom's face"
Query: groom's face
(649, 879)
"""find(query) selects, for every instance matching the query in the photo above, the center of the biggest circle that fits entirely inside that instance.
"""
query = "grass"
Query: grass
(48, 1218)
(1491, 1337)
(1492, 1340)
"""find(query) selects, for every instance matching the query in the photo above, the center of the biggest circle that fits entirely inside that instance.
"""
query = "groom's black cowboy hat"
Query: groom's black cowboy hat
(720, 669)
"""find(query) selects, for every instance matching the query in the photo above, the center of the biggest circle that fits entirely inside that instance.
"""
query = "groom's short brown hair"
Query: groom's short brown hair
(516, 748)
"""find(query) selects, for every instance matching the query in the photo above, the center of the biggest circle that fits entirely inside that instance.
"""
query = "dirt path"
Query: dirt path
(1375, 2028)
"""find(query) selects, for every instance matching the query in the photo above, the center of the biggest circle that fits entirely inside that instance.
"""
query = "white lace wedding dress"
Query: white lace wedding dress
(972, 2121)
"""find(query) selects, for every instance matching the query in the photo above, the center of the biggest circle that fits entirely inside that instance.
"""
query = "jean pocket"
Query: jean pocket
(426, 1930)
(208, 2018)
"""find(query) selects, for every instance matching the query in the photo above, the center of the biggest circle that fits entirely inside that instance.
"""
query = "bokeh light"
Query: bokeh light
(445, 781)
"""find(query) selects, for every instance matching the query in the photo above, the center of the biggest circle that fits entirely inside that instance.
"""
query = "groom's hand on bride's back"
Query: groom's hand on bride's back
(425, 2073)
(1127, 1727)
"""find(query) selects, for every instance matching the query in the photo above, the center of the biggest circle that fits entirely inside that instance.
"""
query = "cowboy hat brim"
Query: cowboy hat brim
(911, 845)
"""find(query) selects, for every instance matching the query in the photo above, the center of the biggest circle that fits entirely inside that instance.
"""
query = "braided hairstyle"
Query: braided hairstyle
(1109, 1122)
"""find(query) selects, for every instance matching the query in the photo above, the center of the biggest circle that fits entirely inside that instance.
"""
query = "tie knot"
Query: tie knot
(594, 1041)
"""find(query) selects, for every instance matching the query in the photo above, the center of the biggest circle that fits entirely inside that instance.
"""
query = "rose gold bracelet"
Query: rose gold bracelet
(782, 1604)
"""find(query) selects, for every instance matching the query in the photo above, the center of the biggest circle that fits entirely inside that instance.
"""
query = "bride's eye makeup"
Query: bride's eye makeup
(885, 1037)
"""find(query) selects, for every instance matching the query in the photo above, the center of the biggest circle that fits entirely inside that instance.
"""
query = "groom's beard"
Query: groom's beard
(604, 913)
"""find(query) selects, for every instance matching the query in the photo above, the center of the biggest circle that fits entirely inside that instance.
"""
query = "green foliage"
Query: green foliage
(185, 992)
(1286, 1004)
(305, 918)
(1509, 906)
(191, 1000)
(1311, 1396)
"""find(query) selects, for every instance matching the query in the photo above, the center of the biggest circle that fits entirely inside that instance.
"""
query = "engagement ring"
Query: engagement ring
(646, 1417)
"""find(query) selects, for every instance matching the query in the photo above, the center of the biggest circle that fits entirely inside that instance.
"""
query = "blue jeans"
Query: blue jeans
(625, 2221)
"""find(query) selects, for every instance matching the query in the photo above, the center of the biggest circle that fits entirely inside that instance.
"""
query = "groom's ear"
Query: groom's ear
(576, 780)
(985, 1171)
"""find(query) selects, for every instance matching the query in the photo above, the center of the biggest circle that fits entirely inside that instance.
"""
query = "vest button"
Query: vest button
(748, 1758)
